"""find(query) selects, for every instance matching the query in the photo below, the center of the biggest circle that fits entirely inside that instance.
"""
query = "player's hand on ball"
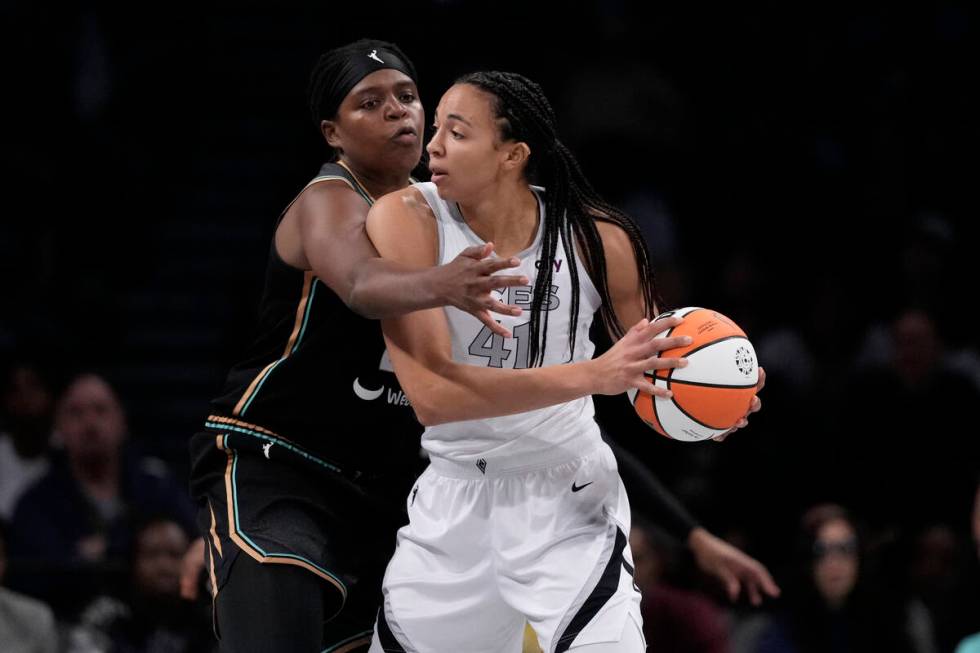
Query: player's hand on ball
(625, 365)
(754, 408)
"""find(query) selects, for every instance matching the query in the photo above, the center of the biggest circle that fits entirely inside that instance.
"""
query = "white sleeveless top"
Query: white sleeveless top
(474, 344)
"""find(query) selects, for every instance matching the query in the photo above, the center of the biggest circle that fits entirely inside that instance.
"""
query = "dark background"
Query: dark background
(808, 170)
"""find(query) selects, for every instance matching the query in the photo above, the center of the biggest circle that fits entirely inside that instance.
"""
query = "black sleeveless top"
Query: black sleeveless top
(317, 378)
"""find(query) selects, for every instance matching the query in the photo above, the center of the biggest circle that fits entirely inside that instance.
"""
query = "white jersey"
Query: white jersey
(474, 344)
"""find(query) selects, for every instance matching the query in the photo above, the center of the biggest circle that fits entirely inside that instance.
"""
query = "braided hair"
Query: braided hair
(572, 206)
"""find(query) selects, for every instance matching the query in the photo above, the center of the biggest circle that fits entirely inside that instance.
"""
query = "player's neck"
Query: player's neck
(377, 184)
(506, 215)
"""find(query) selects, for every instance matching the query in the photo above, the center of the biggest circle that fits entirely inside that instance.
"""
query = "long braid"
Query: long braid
(571, 205)
(593, 208)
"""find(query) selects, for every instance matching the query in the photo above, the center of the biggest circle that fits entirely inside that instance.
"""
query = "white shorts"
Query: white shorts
(487, 549)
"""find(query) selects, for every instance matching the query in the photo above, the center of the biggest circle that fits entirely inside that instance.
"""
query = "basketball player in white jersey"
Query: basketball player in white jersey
(520, 517)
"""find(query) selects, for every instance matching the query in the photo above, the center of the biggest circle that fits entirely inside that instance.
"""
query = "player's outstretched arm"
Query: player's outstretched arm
(378, 286)
(737, 571)
(442, 390)
(326, 233)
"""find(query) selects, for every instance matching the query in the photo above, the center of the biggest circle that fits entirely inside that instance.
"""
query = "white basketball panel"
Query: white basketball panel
(678, 425)
(729, 362)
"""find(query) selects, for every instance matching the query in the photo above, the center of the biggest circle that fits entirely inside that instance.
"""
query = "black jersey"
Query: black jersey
(317, 380)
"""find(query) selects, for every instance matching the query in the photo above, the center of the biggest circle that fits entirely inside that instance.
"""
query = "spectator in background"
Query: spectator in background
(25, 430)
(26, 625)
(904, 393)
(78, 517)
(830, 607)
(971, 644)
(939, 577)
(150, 616)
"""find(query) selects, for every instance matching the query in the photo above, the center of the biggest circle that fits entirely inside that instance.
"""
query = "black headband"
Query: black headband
(356, 68)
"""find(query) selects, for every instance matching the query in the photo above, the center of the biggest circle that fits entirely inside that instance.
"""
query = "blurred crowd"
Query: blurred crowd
(92, 533)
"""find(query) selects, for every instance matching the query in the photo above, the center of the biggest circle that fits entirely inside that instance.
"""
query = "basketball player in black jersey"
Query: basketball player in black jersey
(303, 465)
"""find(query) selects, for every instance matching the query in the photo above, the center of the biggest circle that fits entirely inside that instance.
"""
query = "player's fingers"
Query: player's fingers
(477, 252)
(504, 309)
(492, 324)
(762, 379)
(770, 587)
(639, 327)
(662, 324)
(756, 405)
(657, 363)
(730, 580)
(721, 438)
(504, 281)
(652, 389)
(491, 265)
(644, 383)
(764, 580)
(664, 344)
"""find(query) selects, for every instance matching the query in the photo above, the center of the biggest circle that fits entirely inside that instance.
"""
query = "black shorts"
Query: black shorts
(280, 506)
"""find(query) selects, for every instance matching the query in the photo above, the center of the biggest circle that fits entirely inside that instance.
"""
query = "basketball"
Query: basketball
(716, 388)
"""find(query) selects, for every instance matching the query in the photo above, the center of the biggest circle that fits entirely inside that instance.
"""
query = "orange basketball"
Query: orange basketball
(716, 388)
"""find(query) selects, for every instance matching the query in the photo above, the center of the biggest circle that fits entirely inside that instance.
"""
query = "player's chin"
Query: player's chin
(445, 188)
(402, 157)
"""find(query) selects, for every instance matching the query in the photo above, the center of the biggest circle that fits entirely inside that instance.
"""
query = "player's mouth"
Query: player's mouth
(438, 173)
(406, 136)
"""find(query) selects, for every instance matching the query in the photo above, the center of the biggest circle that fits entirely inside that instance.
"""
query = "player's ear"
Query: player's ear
(516, 154)
(329, 130)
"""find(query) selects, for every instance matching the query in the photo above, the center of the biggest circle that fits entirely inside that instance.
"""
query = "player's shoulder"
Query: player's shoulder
(402, 227)
(620, 255)
(614, 237)
(331, 188)
(405, 203)
(326, 195)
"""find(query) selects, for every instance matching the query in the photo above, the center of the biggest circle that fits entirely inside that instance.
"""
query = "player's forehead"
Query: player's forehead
(467, 104)
(381, 81)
